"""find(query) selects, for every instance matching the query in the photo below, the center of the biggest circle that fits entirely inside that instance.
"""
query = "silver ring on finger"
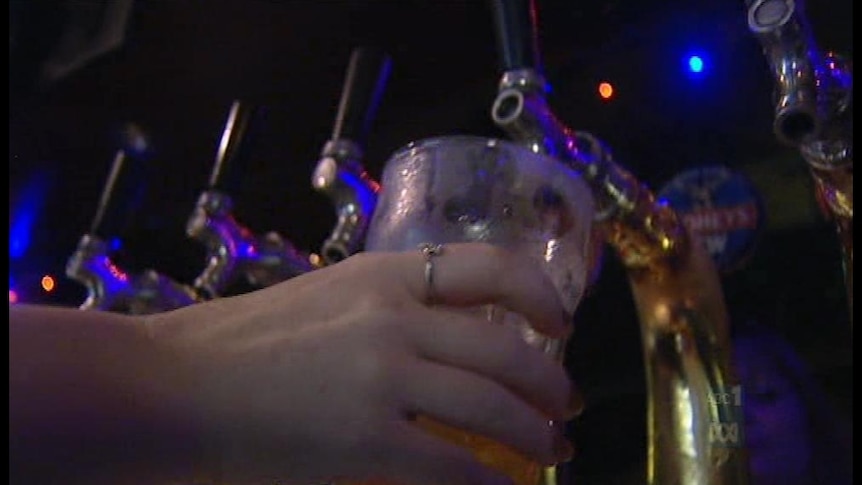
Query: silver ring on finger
(429, 252)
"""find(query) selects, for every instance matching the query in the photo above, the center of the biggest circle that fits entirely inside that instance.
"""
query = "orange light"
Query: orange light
(606, 90)
(315, 260)
(48, 283)
(13, 296)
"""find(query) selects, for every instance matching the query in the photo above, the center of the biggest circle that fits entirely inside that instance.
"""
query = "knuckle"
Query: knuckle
(376, 371)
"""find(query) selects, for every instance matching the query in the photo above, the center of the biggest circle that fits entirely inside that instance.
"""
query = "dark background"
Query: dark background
(180, 64)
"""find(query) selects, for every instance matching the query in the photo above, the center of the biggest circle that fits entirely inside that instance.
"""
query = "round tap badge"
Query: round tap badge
(723, 207)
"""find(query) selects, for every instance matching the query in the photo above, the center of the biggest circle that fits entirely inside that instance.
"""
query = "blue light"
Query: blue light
(30, 202)
(19, 240)
(116, 244)
(22, 225)
(695, 64)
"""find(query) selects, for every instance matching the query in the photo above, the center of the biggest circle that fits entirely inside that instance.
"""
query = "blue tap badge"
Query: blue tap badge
(723, 207)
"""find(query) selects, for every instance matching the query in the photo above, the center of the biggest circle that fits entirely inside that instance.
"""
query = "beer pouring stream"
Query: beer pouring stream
(109, 288)
(813, 109)
(339, 172)
(233, 251)
(676, 288)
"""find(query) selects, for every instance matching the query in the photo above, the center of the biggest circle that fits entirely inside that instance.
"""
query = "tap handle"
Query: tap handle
(365, 80)
(107, 192)
(121, 195)
(234, 142)
(515, 28)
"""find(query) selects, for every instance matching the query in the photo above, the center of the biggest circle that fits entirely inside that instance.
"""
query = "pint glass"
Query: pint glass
(465, 188)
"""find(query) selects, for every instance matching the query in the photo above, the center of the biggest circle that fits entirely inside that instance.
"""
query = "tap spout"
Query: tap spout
(813, 109)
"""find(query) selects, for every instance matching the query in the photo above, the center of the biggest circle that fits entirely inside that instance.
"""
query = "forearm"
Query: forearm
(92, 399)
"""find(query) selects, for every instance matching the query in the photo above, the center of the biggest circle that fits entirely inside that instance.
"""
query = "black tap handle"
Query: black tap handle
(234, 145)
(108, 192)
(367, 74)
(122, 196)
(517, 38)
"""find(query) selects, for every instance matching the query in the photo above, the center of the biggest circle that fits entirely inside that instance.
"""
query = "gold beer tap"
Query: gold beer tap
(813, 109)
(109, 288)
(233, 250)
(692, 425)
(339, 173)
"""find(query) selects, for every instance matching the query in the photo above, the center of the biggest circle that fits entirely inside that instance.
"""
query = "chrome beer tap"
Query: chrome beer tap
(339, 173)
(109, 288)
(676, 288)
(813, 109)
(233, 251)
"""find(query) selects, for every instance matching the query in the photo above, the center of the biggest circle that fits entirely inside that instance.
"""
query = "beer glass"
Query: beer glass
(468, 188)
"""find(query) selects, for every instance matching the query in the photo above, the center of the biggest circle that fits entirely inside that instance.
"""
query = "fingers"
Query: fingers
(466, 274)
(497, 352)
(469, 402)
(423, 459)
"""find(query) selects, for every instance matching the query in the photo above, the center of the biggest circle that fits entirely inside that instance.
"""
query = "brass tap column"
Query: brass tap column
(676, 288)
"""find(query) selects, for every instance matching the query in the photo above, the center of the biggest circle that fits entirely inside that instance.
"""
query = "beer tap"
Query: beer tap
(233, 251)
(813, 109)
(339, 173)
(109, 288)
(676, 288)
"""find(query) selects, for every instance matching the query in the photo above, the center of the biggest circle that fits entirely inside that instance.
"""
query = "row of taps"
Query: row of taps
(233, 251)
(676, 288)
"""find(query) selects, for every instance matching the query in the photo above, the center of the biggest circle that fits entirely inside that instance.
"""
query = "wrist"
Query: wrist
(183, 445)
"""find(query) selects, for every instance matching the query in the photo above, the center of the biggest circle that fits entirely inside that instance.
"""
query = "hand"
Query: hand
(317, 378)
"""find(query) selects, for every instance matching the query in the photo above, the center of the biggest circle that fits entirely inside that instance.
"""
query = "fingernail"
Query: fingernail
(563, 449)
(576, 404)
